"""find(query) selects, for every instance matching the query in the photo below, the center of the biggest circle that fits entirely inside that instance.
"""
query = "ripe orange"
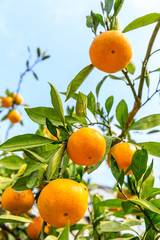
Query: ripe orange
(49, 135)
(18, 99)
(34, 228)
(110, 51)
(7, 102)
(17, 203)
(86, 146)
(62, 201)
(123, 153)
(14, 116)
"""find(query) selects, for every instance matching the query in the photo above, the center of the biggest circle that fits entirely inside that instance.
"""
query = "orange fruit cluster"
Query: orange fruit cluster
(110, 51)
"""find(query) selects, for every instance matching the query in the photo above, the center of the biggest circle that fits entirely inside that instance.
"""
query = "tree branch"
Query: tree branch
(148, 54)
(7, 229)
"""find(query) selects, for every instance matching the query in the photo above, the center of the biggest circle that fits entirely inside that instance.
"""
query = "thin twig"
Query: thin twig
(7, 229)
(148, 53)
(131, 85)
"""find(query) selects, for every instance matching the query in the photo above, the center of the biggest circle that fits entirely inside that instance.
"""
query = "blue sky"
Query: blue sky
(59, 27)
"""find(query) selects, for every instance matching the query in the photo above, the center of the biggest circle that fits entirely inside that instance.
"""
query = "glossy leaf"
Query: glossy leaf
(91, 103)
(57, 103)
(131, 67)
(39, 115)
(12, 162)
(111, 203)
(153, 148)
(145, 204)
(65, 233)
(114, 167)
(51, 237)
(78, 80)
(13, 219)
(117, 6)
(147, 186)
(111, 226)
(99, 85)
(54, 161)
(139, 163)
(33, 155)
(109, 103)
(142, 21)
(38, 52)
(146, 122)
(32, 180)
(52, 128)
(148, 172)
(108, 5)
(122, 113)
(21, 142)
(5, 182)
(81, 105)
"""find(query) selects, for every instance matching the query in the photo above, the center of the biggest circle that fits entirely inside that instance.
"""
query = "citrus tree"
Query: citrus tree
(50, 175)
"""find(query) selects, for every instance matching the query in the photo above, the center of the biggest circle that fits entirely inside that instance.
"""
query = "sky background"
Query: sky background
(60, 28)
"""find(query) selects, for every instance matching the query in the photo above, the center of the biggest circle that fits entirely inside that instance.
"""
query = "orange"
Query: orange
(18, 99)
(123, 153)
(110, 51)
(86, 146)
(14, 116)
(17, 203)
(49, 135)
(34, 228)
(7, 102)
(62, 201)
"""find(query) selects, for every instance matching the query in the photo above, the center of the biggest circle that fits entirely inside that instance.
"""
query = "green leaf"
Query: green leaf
(65, 234)
(35, 75)
(20, 184)
(111, 203)
(108, 5)
(22, 170)
(127, 207)
(117, 6)
(153, 148)
(147, 186)
(89, 21)
(147, 77)
(148, 172)
(98, 211)
(46, 57)
(122, 113)
(109, 103)
(51, 237)
(21, 142)
(57, 103)
(81, 105)
(32, 180)
(34, 156)
(93, 167)
(111, 226)
(5, 182)
(38, 52)
(139, 163)
(99, 85)
(146, 122)
(40, 114)
(142, 21)
(78, 80)
(145, 204)
(91, 103)
(12, 162)
(114, 167)
(54, 161)
(33, 166)
(13, 219)
(52, 128)
(131, 67)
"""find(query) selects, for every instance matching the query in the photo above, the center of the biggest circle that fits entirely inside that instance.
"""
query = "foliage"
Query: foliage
(46, 158)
